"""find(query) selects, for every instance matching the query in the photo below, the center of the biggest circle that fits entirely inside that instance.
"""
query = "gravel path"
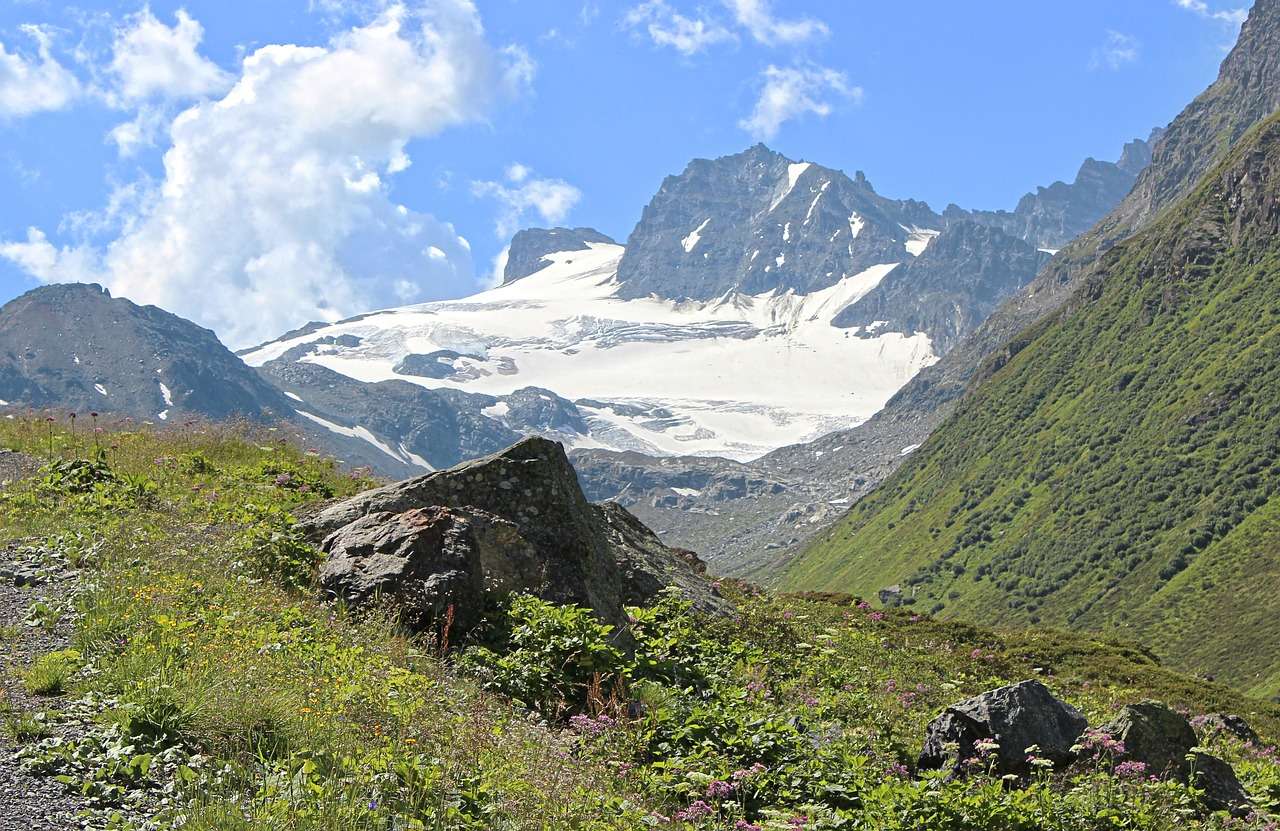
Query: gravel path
(28, 802)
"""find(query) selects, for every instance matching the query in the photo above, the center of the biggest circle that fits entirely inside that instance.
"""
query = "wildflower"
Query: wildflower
(743, 825)
(719, 789)
(899, 770)
(748, 773)
(877, 616)
(1131, 770)
(696, 810)
(788, 614)
(862, 604)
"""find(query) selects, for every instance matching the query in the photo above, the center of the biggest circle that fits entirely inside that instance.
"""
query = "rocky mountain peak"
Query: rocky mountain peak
(75, 346)
(757, 221)
(530, 247)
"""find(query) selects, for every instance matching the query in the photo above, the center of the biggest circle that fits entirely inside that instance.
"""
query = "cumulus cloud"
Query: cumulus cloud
(791, 92)
(667, 27)
(522, 194)
(273, 207)
(1200, 7)
(36, 83)
(1120, 49)
(150, 59)
(756, 16)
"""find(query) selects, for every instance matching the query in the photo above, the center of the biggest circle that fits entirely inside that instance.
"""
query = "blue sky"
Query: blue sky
(326, 157)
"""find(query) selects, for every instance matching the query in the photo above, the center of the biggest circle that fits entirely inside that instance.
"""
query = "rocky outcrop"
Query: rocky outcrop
(514, 521)
(949, 289)
(1163, 742)
(1015, 718)
(1053, 216)
(530, 247)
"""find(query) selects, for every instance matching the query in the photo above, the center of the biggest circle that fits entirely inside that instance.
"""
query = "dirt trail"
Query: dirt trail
(28, 802)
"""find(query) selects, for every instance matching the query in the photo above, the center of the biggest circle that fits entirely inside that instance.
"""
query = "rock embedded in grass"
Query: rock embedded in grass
(1013, 719)
(516, 521)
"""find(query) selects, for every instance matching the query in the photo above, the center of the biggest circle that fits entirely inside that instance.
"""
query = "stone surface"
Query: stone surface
(1162, 740)
(514, 521)
(1216, 723)
(1017, 717)
(1154, 735)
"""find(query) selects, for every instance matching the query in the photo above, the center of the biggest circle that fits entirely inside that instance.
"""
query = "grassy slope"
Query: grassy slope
(1120, 472)
(266, 709)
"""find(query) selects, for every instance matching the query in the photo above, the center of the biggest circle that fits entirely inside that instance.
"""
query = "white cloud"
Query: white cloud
(497, 273)
(667, 27)
(792, 92)
(1120, 49)
(1200, 7)
(273, 207)
(551, 199)
(150, 59)
(756, 17)
(32, 84)
(517, 172)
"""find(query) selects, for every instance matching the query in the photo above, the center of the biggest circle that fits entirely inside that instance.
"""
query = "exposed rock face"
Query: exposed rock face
(1054, 215)
(515, 521)
(414, 428)
(1017, 717)
(429, 559)
(948, 290)
(1163, 741)
(530, 247)
(757, 221)
(74, 346)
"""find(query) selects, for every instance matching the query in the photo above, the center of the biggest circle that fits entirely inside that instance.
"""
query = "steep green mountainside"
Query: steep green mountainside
(1118, 468)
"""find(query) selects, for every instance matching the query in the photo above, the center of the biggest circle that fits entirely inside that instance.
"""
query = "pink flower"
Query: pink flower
(877, 616)
(720, 789)
(1131, 770)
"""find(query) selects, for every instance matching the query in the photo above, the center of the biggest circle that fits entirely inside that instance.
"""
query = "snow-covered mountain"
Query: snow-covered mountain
(735, 376)
(760, 302)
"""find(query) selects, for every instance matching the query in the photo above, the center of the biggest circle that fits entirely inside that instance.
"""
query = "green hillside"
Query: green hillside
(1118, 467)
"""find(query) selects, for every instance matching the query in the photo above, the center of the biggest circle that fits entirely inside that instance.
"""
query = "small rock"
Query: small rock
(1226, 723)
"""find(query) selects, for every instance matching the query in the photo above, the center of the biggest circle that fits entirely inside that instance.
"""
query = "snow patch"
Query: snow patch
(363, 434)
(168, 396)
(498, 410)
(101, 389)
(163, 415)
(856, 224)
(297, 398)
(687, 491)
(814, 204)
(1052, 252)
(794, 172)
(691, 241)
(909, 449)
(786, 233)
(918, 239)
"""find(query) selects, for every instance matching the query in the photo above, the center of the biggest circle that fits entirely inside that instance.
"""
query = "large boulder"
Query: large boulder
(1164, 742)
(1154, 735)
(1016, 717)
(514, 521)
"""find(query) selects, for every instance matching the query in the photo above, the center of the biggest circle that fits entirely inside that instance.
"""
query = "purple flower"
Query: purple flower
(697, 810)
(1131, 770)
(719, 789)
